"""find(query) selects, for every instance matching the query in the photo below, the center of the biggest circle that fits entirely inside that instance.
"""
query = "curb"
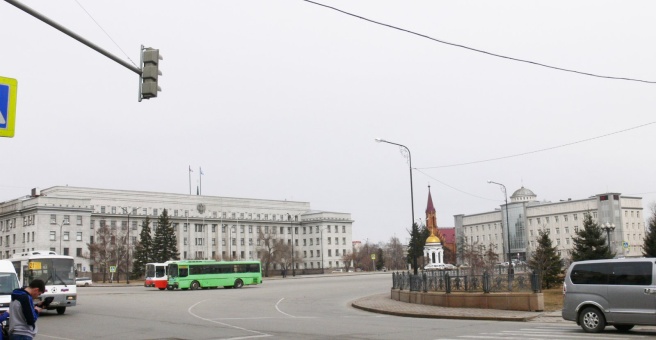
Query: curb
(383, 304)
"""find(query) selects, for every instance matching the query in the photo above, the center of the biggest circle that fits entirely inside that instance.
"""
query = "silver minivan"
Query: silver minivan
(617, 292)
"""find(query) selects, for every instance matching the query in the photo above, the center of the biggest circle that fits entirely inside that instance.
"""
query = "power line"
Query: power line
(107, 34)
(454, 188)
(539, 150)
(481, 51)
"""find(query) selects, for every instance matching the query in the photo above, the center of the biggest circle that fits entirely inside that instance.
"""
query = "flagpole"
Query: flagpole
(200, 180)
(190, 171)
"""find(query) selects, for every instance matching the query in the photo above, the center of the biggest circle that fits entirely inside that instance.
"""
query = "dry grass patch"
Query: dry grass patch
(553, 299)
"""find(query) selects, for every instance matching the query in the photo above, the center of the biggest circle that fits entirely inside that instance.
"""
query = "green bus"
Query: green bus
(196, 274)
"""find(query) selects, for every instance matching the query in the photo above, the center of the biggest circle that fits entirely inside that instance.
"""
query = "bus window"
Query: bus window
(184, 271)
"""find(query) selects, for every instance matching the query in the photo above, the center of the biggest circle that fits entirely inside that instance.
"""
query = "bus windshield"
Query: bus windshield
(52, 271)
(173, 270)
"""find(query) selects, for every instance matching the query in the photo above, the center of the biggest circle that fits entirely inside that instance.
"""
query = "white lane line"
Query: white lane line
(53, 337)
(567, 334)
(257, 333)
(278, 309)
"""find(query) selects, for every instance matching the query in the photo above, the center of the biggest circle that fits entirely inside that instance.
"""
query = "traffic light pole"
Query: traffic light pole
(73, 35)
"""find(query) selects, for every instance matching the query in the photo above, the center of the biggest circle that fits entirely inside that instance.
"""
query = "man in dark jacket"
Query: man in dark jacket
(22, 324)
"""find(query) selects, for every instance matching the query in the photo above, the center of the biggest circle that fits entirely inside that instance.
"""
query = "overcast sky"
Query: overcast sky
(283, 100)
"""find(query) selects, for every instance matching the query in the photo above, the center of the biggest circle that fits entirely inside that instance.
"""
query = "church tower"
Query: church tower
(431, 219)
(433, 248)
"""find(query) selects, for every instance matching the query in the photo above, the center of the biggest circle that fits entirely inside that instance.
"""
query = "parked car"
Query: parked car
(435, 266)
(83, 281)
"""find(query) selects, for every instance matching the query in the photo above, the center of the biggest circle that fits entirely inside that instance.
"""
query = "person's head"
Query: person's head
(36, 288)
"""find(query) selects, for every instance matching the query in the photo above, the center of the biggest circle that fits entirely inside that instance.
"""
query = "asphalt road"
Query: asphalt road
(293, 308)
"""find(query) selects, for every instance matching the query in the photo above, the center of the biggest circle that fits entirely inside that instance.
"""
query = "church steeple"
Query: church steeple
(431, 219)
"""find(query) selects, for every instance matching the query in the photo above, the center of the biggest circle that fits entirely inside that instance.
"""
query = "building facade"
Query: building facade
(526, 215)
(65, 219)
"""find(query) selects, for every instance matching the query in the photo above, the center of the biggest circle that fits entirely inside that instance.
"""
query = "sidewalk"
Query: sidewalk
(383, 304)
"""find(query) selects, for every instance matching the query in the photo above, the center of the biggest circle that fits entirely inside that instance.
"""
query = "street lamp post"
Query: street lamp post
(412, 203)
(61, 236)
(505, 197)
(322, 270)
(291, 229)
(608, 228)
(127, 259)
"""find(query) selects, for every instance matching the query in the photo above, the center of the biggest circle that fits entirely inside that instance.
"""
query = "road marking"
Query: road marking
(278, 309)
(257, 333)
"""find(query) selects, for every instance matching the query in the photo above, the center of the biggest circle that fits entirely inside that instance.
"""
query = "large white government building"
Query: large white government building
(526, 215)
(65, 219)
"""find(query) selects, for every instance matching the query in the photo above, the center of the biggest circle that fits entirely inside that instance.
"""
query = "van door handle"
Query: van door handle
(650, 291)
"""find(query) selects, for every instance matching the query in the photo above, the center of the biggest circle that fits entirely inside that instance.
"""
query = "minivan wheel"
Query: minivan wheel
(623, 328)
(592, 320)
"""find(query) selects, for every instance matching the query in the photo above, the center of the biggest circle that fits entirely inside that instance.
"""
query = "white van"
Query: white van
(8, 282)
(617, 292)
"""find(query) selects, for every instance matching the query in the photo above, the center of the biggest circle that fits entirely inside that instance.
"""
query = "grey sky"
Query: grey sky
(283, 100)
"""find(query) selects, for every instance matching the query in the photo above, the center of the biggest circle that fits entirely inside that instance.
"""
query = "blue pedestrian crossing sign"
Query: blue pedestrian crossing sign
(8, 88)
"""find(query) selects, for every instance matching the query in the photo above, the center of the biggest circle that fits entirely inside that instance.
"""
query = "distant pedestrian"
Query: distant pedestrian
(284, 273)
(22, 324)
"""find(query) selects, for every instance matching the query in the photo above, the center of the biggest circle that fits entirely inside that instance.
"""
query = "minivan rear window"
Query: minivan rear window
(618, 273)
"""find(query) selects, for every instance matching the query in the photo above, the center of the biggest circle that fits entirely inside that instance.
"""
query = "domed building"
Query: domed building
(511, 230)
(433, 250)
(523, 195)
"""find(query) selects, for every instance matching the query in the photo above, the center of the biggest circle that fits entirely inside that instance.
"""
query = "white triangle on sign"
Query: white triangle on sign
(2, 118)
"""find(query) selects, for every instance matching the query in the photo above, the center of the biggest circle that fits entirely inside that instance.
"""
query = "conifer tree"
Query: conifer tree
(590, 243)
(380, 261)
(165, 244)
(415, 247)
(649, 246)
(143, 251)
(545, 260)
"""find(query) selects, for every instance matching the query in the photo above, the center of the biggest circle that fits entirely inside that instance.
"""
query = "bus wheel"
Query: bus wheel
(239, 283)
(162, 288)
(61, 310)
(194, 285)
(169, 287)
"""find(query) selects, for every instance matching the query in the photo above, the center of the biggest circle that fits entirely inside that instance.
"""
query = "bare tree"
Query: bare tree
(362, 257)
(267, 250)
(395, 258)
(472, 255)
(109, 249)
(347, 259)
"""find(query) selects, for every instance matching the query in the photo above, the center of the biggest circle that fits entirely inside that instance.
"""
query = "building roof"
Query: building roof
(523, 194)
(430, 208)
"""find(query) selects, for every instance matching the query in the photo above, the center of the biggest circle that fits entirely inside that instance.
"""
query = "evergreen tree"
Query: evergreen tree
(649, 247)
(590, 243)
(165, 245)
(143, 250)
(380, 261)
(415, 247)
(546, 261)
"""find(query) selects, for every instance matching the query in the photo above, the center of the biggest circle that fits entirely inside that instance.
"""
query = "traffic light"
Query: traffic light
(149, 73)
